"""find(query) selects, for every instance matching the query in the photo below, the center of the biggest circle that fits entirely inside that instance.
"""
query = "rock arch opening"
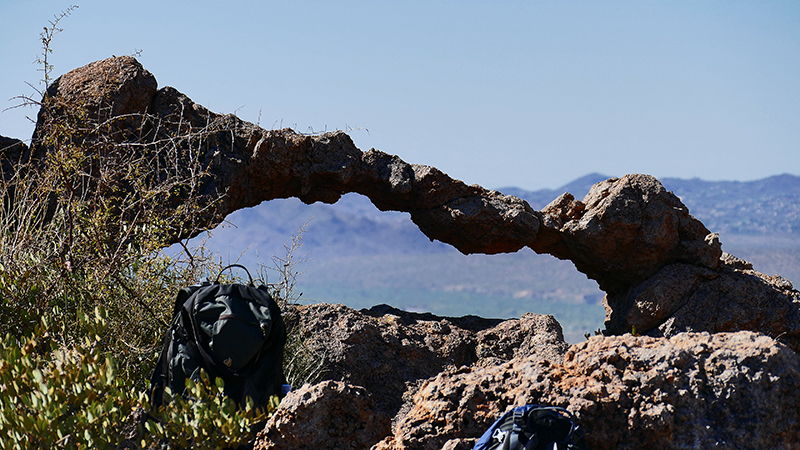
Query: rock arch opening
(361, 257)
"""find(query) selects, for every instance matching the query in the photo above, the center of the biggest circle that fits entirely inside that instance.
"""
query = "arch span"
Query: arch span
(663, 272)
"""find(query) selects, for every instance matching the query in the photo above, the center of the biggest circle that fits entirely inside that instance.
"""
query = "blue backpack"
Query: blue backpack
(534, 427)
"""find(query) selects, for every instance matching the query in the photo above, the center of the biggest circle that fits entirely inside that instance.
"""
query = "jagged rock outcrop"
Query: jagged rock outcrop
(389, 351)
(663, 272)
(694, 390)
(331, 414)
(12, 151)
(698, 390)
(624, 231)
(683, 297)
(633, 237)
(374, 360)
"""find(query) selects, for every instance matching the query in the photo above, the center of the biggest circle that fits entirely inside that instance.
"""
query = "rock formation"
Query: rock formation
(374, 360)
(331, 414)
(388, 351)
(698, 390)
(663, 272)
(658, 265)
(694, 390)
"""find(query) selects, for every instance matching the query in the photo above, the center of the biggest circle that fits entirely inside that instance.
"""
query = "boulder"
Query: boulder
(684, 297)
(106, 89)
(114, 92)
(12, 152)
(389, 351)
(694, 390)
(328, 415)
(624, 231)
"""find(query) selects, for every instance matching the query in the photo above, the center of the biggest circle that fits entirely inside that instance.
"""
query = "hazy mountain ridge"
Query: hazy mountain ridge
(540, 198)
(769, 207)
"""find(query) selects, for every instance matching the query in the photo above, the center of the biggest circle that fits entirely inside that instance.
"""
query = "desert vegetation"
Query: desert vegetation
(87, 295)
(87, 291)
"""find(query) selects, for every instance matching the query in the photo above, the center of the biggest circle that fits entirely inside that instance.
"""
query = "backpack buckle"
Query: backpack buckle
(499, 435)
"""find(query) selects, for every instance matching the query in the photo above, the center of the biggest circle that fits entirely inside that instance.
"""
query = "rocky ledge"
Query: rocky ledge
(716, 367)
(397, 380)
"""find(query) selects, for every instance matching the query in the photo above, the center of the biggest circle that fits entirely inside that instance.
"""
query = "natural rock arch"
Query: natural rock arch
(663, 272)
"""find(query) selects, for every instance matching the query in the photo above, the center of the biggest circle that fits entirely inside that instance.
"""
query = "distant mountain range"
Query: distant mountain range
(766, 207)
(361, 256)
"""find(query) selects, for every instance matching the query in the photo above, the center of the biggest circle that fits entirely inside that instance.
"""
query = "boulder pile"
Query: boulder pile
(694, 390)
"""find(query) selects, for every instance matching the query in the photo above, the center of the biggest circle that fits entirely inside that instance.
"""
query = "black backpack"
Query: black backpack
(534, 427)
(231, 331)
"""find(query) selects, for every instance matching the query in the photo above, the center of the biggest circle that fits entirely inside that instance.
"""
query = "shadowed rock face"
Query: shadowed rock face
(682, 297)
(389, 351)
(12, 151)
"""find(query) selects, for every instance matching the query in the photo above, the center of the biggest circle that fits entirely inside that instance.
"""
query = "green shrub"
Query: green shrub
(72, 381)
(55, 395)
(59, 395)
(207, 420)
(84, 218)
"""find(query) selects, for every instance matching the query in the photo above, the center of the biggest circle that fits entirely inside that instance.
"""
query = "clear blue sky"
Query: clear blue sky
(504, 93)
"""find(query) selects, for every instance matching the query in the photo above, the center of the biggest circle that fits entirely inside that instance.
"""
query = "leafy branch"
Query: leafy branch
(47, 38)
(46, 68)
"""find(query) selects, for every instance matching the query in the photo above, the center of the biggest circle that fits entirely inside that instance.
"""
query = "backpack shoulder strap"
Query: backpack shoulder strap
(160, 375)
(511, 441)
(505, 429)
